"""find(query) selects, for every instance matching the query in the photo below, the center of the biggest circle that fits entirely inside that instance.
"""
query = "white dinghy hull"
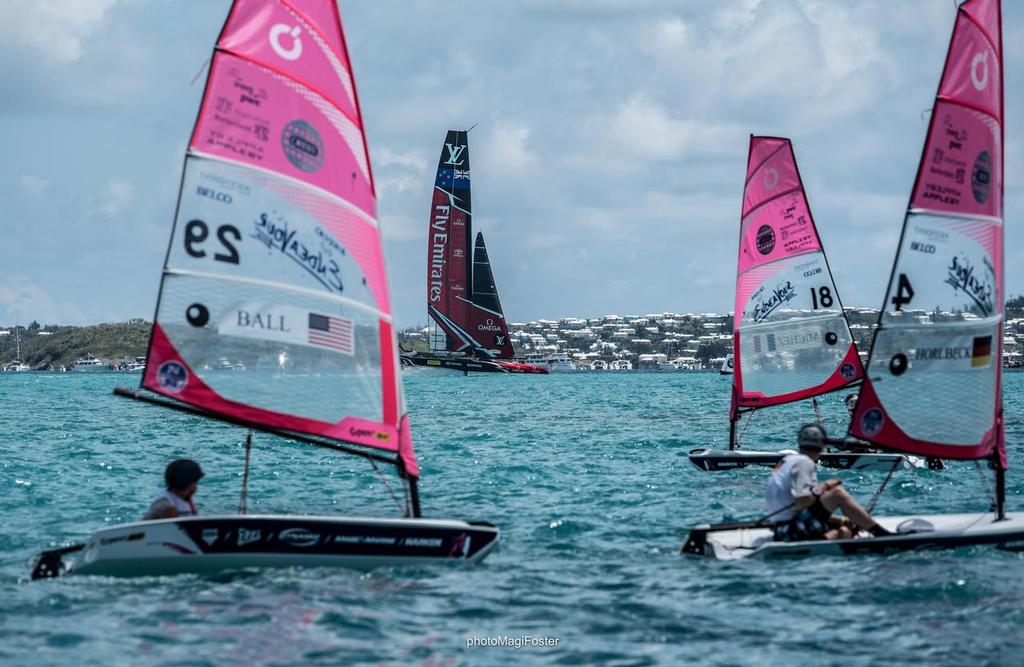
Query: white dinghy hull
(718, 460)
(924, 531)
(210, 544)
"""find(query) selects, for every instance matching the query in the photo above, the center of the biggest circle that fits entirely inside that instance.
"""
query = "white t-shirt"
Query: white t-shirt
(794, 476)
(168, 497)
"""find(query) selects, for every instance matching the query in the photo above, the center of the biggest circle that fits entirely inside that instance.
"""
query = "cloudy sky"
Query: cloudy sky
(608, 155)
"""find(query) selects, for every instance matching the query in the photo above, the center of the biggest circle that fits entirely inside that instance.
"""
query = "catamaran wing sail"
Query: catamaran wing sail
(275, 259)
(792, 340)
(487, 319)
(933, 385)
(449, 267)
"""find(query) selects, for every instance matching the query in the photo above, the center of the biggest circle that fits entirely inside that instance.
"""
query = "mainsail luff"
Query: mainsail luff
(784, 354)
(934, 384)
(276, 251)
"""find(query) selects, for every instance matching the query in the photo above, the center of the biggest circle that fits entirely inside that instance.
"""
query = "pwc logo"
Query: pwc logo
(294, 48)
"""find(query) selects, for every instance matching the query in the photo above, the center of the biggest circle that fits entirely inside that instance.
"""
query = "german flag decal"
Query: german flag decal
(981, 351)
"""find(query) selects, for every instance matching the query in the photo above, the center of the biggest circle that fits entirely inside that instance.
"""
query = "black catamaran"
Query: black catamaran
(276, 260)
(934, 374)
(467, 330)
(792, 341)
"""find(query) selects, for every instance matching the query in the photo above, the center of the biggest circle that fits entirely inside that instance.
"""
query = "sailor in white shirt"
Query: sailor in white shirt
(802, 507)
(182, 478)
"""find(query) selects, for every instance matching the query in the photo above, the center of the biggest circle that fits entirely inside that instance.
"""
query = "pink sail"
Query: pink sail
(934, 373)
(274, 307)
(791, 339)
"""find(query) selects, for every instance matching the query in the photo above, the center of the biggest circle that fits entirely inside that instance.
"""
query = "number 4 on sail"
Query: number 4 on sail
(276, 269)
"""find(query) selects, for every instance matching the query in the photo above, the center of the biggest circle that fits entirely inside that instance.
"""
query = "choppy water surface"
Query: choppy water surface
(586, 475)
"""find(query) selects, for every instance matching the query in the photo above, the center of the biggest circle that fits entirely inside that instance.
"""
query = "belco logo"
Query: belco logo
(454, 153)
(489, 325)
(280, 29)
(979, 81)
(771, 178)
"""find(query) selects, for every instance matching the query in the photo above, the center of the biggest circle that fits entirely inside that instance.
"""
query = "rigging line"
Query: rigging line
(878, 494)
(739, 438)
(199, 72)
(984, 482)
(817, 412)
(243, 503)
(387, 486)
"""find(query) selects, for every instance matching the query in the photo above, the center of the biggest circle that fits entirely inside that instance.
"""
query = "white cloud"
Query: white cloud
(647, 130)
(33, 185)
(116, 196)
(22, 301)
(505, 148)
(57, 28)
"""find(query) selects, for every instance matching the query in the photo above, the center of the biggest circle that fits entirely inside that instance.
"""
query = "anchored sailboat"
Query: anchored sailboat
(276, 254)
(934, 384)
(467, 326)
(792, 340)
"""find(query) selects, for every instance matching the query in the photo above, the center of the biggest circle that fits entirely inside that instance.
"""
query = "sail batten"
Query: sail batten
(935, 366)
(791, 339)
(274, 307)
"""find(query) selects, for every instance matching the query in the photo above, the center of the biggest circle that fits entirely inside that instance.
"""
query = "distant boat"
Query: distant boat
(727, 365)
(276, 247)
(554, 362)
(89, 364)
(792, 340)
(18, 366)
(467, 330)
(934, 382)
(223, 364)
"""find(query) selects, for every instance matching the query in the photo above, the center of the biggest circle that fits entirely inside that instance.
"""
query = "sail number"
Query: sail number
(821, 297)
(196, 233)
(904, 292)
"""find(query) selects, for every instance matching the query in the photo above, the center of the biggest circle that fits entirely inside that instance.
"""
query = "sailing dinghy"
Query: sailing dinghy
(467, 329)
(934, 384)
(276, 255)
(792, 340)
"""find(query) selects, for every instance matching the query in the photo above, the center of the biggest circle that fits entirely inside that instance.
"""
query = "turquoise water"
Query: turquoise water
(586, 475)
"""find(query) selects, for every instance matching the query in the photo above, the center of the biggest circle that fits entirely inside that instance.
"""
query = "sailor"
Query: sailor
(802, 508)
(182, 477)
(851, 403)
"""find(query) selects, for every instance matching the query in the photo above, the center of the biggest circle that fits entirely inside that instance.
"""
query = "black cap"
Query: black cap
(181, 473)
(812, 436)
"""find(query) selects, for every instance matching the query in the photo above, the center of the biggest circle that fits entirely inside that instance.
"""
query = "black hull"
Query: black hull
(211, 544)
(724, 460)
(473, 365)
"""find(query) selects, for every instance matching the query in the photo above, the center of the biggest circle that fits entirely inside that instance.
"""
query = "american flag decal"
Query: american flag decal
(333, 332)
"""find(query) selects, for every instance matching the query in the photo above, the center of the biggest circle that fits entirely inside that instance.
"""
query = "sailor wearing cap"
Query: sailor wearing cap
(803, 508)
(181, 477)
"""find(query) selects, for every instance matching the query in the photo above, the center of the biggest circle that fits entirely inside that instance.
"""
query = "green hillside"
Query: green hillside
(51, 347)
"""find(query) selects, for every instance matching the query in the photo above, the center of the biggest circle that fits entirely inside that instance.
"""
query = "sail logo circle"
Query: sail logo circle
(771, 178)
(295, 50)
(979, 81)
(981, 177)
(872, 422)
(848, 371)
(172, 376)
(765, 239)
(302, 146)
